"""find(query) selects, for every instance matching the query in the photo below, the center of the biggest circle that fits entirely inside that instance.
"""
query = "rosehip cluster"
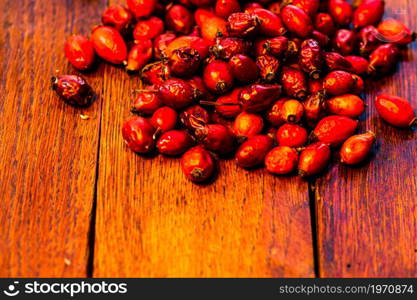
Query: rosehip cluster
(274, 83)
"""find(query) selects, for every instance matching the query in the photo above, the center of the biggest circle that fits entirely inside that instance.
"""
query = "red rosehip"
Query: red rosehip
(201, 91)
(218, 77)
(142, 8)
(194, 42)
(164, 118)
(253, 151)
(311, 60)
(148, 29)
(276, 46)
(146, 103)
(359, 65)
(155, 73)
(247, 125)
(225, 8)
(242, 24)
(369, 12)
(322, 39)
(294, 83)
(368, 40)
(197, 164)
(344, 41)
(395, 110)
(270, 24)
(184, 62)
(174, 142)
(297, 21)
(313, 159)
(226, 47)
(357, 148)
(215, 137)
(268, 67)
(210, 25)
(315, 85)
(73, 89)
(229, 111)
(274, 114)
(314, 108)
(341, 11)
(138, 134)
(334, 130)
(258, 97)
(281, 160)
(346, 105)
(79, 51)
(109, 44)
(177, 93)
(394, 31)
(118, 17)
(292, 111)
(324, 23)
(336, 61)
(383, 59)
(339, 83)
(194, 117)
(291, 135)
(244, 69)
(139, 55)
(310, 7)
(161, 42)
(179, 19)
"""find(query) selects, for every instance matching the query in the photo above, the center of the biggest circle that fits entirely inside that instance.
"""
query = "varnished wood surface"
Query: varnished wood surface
(148, 220)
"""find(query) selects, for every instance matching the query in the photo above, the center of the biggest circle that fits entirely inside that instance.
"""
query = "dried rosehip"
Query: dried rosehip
(395, 110)
(268, 67)
(394, 31)
(252, 152)
(336, 61)
(194, 42)
(313, 159)
(321, 38)
(161, 42)
(281, 160)
(139, 55)
(244, 69)
(315, 85)
(73, 89)
(383, 59)
(369, 12)
(118, 17)
(294, 83)
(179, 19)
(225, 8)
(341, 11)
(292, 111)
(314, 108)
(291, 135)
(294, 47)
(226, 47)
(368, 40)
(338, 83)
(138, 134)
(297, 21)
(229, 111)
(276, 46)
(197, 164)
(247, 125)
(79, 51)
(211, 26)
(324, 23)
(184, 62)
(309, 6)
(258, 97)
(218, 77)
(155, 73)
(109, 44)
(148, 29)
(334, 130)
(270, 24)
(357, 148)
(242, 24)
(344, 41)
(194, 117)
(311, 60)
(142, 8)
(177, 93)
(346, 105)
(274, 114)
(146, 103)
(164, 119)
(359, 65)
(174, 142)
(215, 137)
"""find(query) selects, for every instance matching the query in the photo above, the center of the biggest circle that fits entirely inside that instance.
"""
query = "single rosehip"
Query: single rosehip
(253, 151)
(109, 44)
(274, 113)
(142, 8)
(194, 117)
(310, 7)
(271, 24)
(79, 51)
(291, 135)
(368, 40)
(394, 31)
(268, 67)
(258, 97)
(324, 23)
(138, 134)
(177, 93)
(395, 110)
(174, 142)
(148, 29)
(119, 17)
(194, 42)
(210, 24)
(247, 125)
(184, 62)
(336, 61)
(139, 55)
(242, 24)
(197, 164)
(146, 103)
(341, 11)
(338, 83)
(155, 73)
(161, 42)
(334, 130)
(226, 47)
(292, 111)
(73, 89)
(281, 160)
(218, 77)
(321, 38)
(311, 59)
(276, 46)
(357, 148)
(229, 111)
(383, 59)
(297, 21)
(314, 159)
(314, 108)
(164, 119)
(359, 64)
(215, 137)
(347, 105)
(244, 69)
(344, 41)
(179, 19)
(294, 83)
(369, 12)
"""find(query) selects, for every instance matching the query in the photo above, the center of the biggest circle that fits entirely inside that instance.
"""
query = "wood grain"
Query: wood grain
(367, 215)
(48, 152)
(152, 222)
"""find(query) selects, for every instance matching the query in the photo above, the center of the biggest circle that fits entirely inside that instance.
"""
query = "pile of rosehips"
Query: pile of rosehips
(274, 83)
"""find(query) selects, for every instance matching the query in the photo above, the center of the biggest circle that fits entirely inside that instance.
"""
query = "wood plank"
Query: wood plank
(152, 222)
(367, 215)
(48, 152)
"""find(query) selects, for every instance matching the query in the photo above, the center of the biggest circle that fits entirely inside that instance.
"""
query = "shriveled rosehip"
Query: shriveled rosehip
(310, 7)
(179, 19)
(117, 16)
(344, 41)
(155, 73)
(297, 21)
(194, 117)
(225, 8)
(294, 83)
(176, 93)
(311, 60)
(336, 61)
(197, 164)
(247, 125)
(315, 85)
(383, 59)
(174, 142)
(270, 24)
(281, 160)
(194, 42)
(138, 134)
(291, 135)
(394, 31)
(109, 44)
(210, 24)
(341, 11)
(274, 114)
(359, 65)
(215, 137)
(201, 91)
(242, 24)
(184, 62)
(253, 151)
(79, 51)
(313, 159)
(368, 40)
(339, 83)
(294, 48)
(334, 130)
(324, 23)
(357, 148)
(258, 97)
(226, 47)
(146, 103)
(395, 110)
(218, 77)
(229, 111)
(142, 8)
(161, 42)
(314, 108)
(139, 55)
(244, 69)
(276, 46)
(73, 89)
(346, 105)
(268, 67)
(164, 118)
(148, 29)
(321, 38)
(369, 12)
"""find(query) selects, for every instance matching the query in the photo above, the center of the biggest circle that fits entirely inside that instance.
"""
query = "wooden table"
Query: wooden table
(76, 202)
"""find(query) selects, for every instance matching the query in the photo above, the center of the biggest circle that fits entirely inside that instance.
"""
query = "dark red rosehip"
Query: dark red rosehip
(73, 89)
(179, 19)
(321, 38)
(294, 83)
(161, 42)
(202, 3)
(276, 46)
(218, 77)
(270, 24)
(338, 83)
(268, 67)
(109, 44)
(251, 6)
(225, 8)
(324, 23)
(313, 159)
(244, 69)
(291, 135)
(177, 93)
(79, 51)
(274, 114)
(395, 110)
(341, 11)
(194, 117)
(139, 55)
(334, 130)
(281, 160)
(346, 105)
(197, 164)
(297, 21)
(164, 118)
(118, 17)
(148, 29)
(344, 41)
(194, 42)
(174, 142)
(258, 97)
(226, 47)
(359, 65)
(155, 73)
(146, 103)
(383, 59)
(229, 111)
(336, 61)
(369, 12)
(184, 62)
(253, 151)
(311, 60)
(138, 134)
(142, 8)
(247, 125)
(314, 108)
(315, 85)
(215, 137)
(359, 86)
(242, 24)
(357, 148)
(368, 40)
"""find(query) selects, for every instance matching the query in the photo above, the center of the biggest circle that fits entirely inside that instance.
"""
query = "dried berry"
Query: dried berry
(73, 89)
(269, 23)
(341, 11)
(242, 24)
(174, 142)
(274, 114)
(215, 137)
(311, 60)
(138, 134)
(179, 19)
(344, 41)
(346, 105)
(252, 152)
(146, 103)
(336, 61)
(229, 111)
(142, 8)
(247, 125)
(148, 29)
(258, 97)
(359, 65)
(268, 67)
(176, 93)
(339, 83)
(244, 69)
(292, 111)
(276, 46)
(395, 110)
(211, 26)
(324, 23)
(194, 42)
(313, 159)
(383, 59)
(156, 73)
(357, 148)
(334, 130)
(226, 47)
(161, 42)
(194, 117)
(314, 108)
(394, 31)
(79, 51)
(118, 17)
(218, 77)
(197, 164)
(294, 83)
(139, 55)
(225, 8)
(281, 160)
(297, 21)
(184, 62)
(369, 12)
(291, 135)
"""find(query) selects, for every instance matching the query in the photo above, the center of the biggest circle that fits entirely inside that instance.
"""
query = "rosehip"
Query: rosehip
(218, 77)
(359, 65)
(394, 31)
(242, 24)
(211, 26)
(291, 135)
(294, 83)
(395, 110)
(281, 160)
(268, 67)
(276, 46)
(184, 62)
(138, 134)
(244, 69)
(142, 8)
(109, 44)
(179, 19)
(314, 108)
(139, 55)
(148, 29)
(161, 42)
(321, 38)
(229, 111)
(368, 40)
(346, 105)
(79, 51)
(334, 130)
(194, 42)
(369, 12)
(274, 114)
(164, 118)
(146, 103)
(251, 6)
(315, 85)
(359, 86)
(247, 125)
(270, 24)
(215, 137)
(341, 11)
(253, 151)
(338, 83)
(73, 89)
(194, 117)
(357, 148)
(311, 60)
(292, 111)
(226, 47)
(336, 61)
(297, 21)
(324, 23)
(275, 7)
(197, 164)
(225, 8)
(310, 7)
(383, 59)
(177, 93)
(118, 17)
(344, 41)
(174, 142)
(313, 159)
(155, 73)
(258, 97)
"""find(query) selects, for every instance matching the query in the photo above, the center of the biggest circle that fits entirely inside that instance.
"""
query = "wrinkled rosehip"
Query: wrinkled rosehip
(268, 67)
(142, 8)
(383, 59)
(215, 137)
(79, 51)
(155, 73)
(194, 42)
(138, 134)
(247, 125)
(211, 26)
(324, 23)
(174, 142)
(118, 17)
(294, 48)
(218, 77)
(73, 89)
(109, 44)
(139, 55)
(164, 118)
(291, 135)
(177, 93)
(357, 148)
(394, 31)
(314, 108)
(344, 41)
(269, 23)
(281, 160)
(200, 89)
(161, 42)
(258, 97)
(242, 24)
(341, 11)
(244, 69)
(359, 65)
(274, 114)
(184, 62)
(292, 111)
(336, 61)
(314, 159)
(368, 40)
(369, 12)
(334, 130)
(226, 47)
(197, 164)
(225, 8)
(179, 19)
(311, 60)
(253, 151)
(276, 46)
(338, 83)
(148, 29)
(297, 21)
(395, 110)
(294, 83)
(347, 105)
(194, 117)
(146, 103)
(229, 111)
